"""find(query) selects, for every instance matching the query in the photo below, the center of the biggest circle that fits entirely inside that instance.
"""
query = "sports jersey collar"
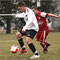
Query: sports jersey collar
(26, 10)
(37, 13)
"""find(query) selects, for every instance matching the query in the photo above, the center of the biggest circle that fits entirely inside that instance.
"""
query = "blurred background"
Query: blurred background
(9, 25)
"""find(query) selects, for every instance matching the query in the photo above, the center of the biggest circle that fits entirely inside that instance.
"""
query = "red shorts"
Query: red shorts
(41, 35)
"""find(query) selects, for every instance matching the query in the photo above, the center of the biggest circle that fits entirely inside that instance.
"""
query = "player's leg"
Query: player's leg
(21, 43)
(30, 35)
(46, 34)
(42, 41)
(32, 47)
(38, 35)
(47, 44)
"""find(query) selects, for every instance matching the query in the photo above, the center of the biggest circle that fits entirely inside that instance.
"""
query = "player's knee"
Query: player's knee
(28, 41)
(18, 35)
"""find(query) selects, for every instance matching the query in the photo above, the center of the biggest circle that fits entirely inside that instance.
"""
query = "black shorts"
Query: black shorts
(29, 33)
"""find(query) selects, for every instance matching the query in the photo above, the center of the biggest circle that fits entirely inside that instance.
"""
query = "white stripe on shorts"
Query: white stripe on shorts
(44, 36)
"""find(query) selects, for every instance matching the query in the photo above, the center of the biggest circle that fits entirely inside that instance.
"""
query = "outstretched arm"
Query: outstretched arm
(59, 15)
(53, 15)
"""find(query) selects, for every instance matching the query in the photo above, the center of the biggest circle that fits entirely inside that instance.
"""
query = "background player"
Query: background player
(43, 28)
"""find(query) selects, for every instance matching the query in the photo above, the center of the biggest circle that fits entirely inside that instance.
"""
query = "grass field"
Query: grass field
(7, 40)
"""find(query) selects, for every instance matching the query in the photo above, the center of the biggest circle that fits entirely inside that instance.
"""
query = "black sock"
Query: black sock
(21, 43)
(32, 47)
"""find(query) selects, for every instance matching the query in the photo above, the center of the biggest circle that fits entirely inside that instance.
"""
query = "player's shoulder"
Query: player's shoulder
(41, 12)
(29, 10)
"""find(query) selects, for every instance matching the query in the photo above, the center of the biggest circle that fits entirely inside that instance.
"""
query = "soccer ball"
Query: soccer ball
(14, 49)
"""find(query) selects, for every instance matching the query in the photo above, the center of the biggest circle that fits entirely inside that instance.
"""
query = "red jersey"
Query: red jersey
(41, 19)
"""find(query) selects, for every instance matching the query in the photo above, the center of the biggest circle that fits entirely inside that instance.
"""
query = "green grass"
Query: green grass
(7, 40)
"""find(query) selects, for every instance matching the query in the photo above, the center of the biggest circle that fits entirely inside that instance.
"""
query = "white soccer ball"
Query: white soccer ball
(14, 49)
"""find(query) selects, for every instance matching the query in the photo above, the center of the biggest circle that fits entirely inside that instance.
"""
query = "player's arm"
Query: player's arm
(53, 15)
(20, 15)
(59, 15)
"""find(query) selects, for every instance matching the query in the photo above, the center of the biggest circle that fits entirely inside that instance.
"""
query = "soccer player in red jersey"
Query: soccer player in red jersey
(43, 28)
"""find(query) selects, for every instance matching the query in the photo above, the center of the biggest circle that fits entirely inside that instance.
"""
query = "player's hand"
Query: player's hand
(59, 15)
(23, 31)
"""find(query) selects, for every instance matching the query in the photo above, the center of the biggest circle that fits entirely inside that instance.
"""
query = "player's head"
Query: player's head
(21, 6)
(34, 8)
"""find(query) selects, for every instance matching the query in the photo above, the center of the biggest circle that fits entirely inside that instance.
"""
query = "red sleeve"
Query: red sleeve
(46, 15)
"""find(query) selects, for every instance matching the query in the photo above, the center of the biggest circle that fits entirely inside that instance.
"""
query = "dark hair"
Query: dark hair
(33, 7)
(21, 4)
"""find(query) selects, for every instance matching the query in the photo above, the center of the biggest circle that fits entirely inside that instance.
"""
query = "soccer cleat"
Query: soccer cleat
(22, 51)
(48, 45)
(45, 51)
(35, 56)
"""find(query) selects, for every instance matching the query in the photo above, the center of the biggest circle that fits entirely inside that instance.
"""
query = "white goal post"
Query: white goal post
(7, 14)
(21, 15)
